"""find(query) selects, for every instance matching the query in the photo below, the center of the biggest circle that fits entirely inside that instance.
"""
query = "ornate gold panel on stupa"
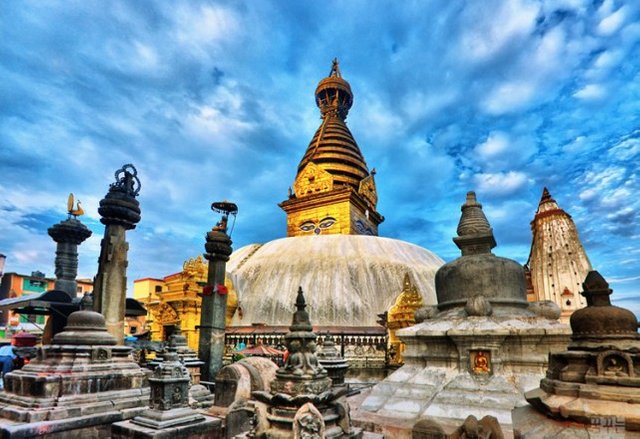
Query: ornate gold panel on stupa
(174, 300)
(402, 315)
(334, 192)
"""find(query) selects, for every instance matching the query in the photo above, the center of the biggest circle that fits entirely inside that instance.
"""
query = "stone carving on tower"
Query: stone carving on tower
(557, 262)
(334, 192)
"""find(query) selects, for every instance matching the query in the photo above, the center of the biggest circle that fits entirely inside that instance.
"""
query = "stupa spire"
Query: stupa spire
(333, 174)
(475, 235)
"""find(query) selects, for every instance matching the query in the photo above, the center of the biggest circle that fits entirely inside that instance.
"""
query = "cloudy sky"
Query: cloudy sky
(214, 100)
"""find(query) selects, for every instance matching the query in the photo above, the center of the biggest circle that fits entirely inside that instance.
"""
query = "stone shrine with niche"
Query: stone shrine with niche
(596, 381)
(479, 350)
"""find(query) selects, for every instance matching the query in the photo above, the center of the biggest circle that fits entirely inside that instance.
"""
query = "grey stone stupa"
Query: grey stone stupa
(76, 387)
(169, 415)
(479, 350)
(593, 386)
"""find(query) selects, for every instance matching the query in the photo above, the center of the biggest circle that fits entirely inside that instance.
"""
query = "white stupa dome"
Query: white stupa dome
(347, 279)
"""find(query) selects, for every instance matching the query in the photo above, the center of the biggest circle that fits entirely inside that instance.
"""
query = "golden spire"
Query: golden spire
(333, 147)
(334, 192)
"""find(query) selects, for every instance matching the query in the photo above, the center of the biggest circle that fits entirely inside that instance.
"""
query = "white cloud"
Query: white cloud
(200, 28)
(626, 150)
(509, 96)
(490, 32)
(497, 143)
(500, 184)
(611, 23)
(591, 92)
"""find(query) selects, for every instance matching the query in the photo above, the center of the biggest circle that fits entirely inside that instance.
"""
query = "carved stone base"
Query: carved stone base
(167, 418)
(207, 428)
(294, 385)
(331, 419)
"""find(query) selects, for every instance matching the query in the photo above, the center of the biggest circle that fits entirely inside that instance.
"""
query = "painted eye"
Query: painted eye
(307, 227)
(327, 222)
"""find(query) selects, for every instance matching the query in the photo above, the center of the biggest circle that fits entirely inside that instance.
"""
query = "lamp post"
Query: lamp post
(214, 293)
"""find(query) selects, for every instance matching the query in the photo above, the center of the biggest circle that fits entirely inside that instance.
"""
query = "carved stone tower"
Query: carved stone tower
(334, 192)
(120, 212)
(557, 262)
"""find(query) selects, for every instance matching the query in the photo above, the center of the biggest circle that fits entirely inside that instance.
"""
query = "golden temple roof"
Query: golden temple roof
(333, 147)
(406, 304)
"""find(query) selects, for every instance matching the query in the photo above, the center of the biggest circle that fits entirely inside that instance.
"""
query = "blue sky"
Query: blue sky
(214, 100)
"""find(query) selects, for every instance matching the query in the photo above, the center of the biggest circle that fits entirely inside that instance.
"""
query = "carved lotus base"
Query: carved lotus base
(326, 420)
(294, 385)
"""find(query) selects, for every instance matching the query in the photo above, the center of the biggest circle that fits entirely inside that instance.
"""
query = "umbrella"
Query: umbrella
(261, 350)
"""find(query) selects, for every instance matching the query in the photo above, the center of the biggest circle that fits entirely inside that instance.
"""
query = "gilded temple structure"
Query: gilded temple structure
(334, 192)
(331, 249)
(557, 263)
(402, 315)
(173, 301)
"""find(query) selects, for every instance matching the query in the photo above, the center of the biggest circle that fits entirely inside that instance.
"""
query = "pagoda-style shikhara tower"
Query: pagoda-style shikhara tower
(334, 192)
(557, 262)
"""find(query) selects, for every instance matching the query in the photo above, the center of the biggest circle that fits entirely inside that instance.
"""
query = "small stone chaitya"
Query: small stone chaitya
(302, 402)
(76, 387)
(597, 378)
(169, 414)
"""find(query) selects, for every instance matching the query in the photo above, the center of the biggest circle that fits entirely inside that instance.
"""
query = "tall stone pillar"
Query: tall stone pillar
(68, 235)
(214, 300)
(120, 212)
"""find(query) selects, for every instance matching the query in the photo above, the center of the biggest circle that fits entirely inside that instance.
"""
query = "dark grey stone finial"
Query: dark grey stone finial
(127, 180)
(301, 316)
(475, 235)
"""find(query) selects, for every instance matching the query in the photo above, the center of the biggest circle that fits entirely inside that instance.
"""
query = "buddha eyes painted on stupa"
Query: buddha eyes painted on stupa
(325, 223)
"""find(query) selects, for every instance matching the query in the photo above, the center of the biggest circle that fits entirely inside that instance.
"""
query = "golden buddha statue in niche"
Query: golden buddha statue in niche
(481, 363)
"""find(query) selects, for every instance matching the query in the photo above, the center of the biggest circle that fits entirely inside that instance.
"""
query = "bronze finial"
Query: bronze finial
(78, 210)
(335, 68)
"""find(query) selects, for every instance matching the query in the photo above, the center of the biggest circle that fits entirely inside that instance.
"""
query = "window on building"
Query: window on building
(158, 288)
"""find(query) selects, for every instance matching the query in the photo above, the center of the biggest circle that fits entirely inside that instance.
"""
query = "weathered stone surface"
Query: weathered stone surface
(596, 378)
(207, 428)
(236, 381)
(74, 390)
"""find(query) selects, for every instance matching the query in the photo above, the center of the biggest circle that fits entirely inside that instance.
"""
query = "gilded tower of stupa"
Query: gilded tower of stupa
(334, 192)
(332, 248)
(557, 262)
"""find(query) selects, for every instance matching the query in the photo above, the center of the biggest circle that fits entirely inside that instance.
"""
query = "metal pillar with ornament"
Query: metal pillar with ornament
(214, 293)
